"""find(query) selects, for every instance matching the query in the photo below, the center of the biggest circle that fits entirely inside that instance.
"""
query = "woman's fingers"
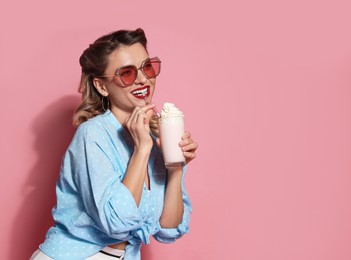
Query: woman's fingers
(131, 118)
(189, 147)
(148, 107)
(148, 110)
(145, 112)
(139, 112)
(189, 156)
(186, 135)
(188, 143)
(139, 117)
(185, 142)
(138, 125)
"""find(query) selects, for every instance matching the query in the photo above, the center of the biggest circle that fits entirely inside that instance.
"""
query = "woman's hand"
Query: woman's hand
(138, 126)
(173, 207)
(188, 147)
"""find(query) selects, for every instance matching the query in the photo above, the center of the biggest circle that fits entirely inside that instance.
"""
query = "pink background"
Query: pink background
(265, 86)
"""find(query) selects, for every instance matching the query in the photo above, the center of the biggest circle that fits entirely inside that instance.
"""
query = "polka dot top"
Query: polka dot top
(94, 209)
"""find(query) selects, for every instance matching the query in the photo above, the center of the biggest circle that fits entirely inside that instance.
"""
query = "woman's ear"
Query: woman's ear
(100, 87)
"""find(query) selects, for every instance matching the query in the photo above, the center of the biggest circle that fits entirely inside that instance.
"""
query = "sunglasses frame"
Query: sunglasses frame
(140, 68)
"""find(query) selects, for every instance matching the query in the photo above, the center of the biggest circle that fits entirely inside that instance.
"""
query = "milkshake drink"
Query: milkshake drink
(171, 123)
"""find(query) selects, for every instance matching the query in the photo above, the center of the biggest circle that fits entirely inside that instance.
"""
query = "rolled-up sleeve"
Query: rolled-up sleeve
(170, 235)
(107, 201)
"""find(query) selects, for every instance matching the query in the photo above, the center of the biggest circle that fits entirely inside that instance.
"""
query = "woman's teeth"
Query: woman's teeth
(140, 92)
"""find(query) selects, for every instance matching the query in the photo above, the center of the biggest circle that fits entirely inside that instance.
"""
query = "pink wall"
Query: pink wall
(266, 88)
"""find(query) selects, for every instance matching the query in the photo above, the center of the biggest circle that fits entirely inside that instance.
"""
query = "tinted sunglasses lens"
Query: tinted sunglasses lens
(128, 74)
(151, 68)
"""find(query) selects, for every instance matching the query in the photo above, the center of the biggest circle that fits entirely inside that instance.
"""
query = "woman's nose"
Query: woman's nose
(140, 79)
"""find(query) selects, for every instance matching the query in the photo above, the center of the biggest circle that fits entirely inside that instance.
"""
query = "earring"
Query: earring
(103, 103)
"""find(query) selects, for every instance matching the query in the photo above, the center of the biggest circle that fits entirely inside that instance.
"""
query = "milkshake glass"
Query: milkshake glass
(171, 126)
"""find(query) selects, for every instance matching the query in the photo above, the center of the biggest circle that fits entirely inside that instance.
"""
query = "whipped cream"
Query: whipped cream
(170, 110)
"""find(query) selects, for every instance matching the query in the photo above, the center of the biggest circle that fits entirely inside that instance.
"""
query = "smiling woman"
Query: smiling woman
(114, 190)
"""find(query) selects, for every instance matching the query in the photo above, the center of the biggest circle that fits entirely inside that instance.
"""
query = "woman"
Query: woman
(114, 191)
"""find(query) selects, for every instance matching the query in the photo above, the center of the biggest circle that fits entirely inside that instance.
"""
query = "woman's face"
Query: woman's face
(124, 99)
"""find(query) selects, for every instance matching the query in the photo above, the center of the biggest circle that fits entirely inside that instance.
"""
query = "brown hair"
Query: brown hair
(94, 61)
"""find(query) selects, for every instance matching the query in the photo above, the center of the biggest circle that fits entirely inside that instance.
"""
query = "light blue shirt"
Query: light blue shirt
(94, 209)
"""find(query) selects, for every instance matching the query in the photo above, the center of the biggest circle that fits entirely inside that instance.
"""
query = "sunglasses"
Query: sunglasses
(128, 74)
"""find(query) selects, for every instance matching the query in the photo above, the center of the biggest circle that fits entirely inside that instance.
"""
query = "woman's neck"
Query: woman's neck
(121, 115)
